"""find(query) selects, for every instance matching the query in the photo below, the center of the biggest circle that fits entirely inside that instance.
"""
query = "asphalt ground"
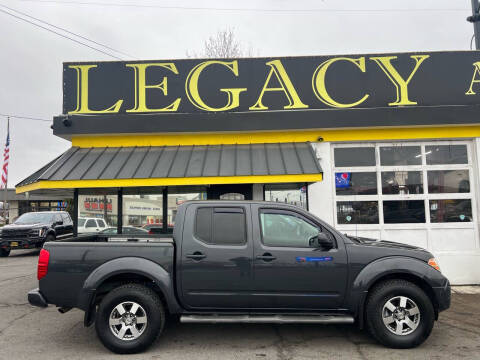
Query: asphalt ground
(27, 332)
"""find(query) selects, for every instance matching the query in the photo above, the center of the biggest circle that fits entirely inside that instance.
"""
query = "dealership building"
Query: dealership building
(384, 146)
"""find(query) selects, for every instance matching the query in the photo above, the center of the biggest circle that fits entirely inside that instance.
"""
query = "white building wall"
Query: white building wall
(455, 245)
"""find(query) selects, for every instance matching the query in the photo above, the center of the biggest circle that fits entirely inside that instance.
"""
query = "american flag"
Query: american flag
(6, 156)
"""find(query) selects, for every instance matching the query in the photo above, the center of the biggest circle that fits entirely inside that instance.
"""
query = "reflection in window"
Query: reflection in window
(97, 206)
(354, 156)
(357, 183)
(142, 210)
(446, 154)
(402, 182)
(286, 230)
(357, 212)
(403, 211)
(296, 195)
(448, 181)
(232, 196)
(400, 155)
(458, 210)
(174, 200)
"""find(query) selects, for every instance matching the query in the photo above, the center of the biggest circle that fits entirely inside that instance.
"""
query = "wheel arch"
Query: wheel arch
(122, 271)
(409, 269)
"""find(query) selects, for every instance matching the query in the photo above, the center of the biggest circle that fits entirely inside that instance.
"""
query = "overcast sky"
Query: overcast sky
(31, 58)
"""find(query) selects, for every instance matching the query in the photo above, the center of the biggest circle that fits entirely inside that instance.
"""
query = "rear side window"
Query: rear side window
(221, 226)
(66, 218)
(91, 223)
(101, 223)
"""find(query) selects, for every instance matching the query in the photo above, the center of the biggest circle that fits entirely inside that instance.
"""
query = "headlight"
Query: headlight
(433, 263)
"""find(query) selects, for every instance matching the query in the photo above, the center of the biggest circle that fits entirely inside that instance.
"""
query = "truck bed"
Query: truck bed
(75, 259)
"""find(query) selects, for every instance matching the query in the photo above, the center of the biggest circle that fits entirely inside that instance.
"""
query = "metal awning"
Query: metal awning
(101, 167)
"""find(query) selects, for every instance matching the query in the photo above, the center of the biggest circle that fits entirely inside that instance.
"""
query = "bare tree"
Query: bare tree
(222, 45)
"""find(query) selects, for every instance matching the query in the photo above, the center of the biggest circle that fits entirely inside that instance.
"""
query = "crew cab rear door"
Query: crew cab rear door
(288, 272)
(216, 256)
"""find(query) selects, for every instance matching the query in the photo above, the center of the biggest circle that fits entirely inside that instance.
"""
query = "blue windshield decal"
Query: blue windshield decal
(313, 259)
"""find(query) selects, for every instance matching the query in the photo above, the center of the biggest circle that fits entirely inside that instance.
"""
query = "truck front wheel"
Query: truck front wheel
(129, 319)
(399, 314)
(4, 252)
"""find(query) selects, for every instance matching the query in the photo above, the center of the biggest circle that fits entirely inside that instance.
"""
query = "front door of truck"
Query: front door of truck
(216, 256)
(289, 271)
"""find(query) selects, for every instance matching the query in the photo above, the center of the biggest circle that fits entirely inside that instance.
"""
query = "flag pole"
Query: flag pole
(6, 181)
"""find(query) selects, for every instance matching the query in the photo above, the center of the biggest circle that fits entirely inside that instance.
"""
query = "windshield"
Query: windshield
(34, 218)
(81, 222)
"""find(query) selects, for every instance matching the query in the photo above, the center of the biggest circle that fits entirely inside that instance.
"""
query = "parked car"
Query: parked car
(153, 228)
(91, 225)
(33, 229)
(243, 261)
(125, 230)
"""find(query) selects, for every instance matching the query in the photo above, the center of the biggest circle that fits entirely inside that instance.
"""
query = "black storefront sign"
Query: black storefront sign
(259, 89)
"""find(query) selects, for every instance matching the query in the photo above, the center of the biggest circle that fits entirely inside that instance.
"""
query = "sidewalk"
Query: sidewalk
(466, 289)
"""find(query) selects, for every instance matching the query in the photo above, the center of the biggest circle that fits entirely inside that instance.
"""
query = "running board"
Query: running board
(269, 319)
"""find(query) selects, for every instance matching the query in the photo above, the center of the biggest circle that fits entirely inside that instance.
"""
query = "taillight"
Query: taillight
(43, 263)
(150, 232)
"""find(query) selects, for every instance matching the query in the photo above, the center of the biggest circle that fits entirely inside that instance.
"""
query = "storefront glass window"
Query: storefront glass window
(354, 156)
(142, 211)
(403, 211)
(400, 155)
(446, 154)
(448, 181)
(357, 212)
(456, 210)
(97, 213)
(402, 182)
(356, 183)
(293, 195)
(412, 175)
(174, 200)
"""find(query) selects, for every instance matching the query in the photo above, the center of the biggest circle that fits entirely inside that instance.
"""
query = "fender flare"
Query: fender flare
(389, 267)
(127, 265)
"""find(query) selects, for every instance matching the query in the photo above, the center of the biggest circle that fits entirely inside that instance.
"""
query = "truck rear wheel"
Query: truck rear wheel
(129, 319)
(4, 252)
(399, 314)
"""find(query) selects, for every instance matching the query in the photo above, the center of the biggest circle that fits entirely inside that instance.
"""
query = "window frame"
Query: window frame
(426, 196)
(320, 227)
(204, 242)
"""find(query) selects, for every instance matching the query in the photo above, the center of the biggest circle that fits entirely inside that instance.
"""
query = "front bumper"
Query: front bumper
(443, 295)
(21, 243)
(36, 298)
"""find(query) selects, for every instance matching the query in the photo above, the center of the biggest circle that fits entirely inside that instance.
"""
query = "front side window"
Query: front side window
(91, 223)
(221, 226)
(280, 229)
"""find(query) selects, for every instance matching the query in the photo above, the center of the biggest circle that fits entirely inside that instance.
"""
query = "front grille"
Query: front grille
(10, 234)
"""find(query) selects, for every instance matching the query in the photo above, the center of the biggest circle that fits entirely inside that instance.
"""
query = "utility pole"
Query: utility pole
(475, 20)
(6, 180)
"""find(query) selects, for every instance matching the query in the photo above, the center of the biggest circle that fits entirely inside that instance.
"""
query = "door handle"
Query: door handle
(197, 255)
(266, 257)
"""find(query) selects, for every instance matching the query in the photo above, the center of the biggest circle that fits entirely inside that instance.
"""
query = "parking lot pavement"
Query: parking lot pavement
(32, 333)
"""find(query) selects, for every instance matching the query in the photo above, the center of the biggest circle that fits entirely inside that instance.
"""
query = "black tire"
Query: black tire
(154, 313)
(375, 313)
(4, 252)
(50, 237)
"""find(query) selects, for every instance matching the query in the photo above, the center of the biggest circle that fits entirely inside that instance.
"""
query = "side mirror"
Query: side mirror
(321, 240)
(59, 222)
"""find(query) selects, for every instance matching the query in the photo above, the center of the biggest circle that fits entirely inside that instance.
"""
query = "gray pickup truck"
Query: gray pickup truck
(232, 261)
